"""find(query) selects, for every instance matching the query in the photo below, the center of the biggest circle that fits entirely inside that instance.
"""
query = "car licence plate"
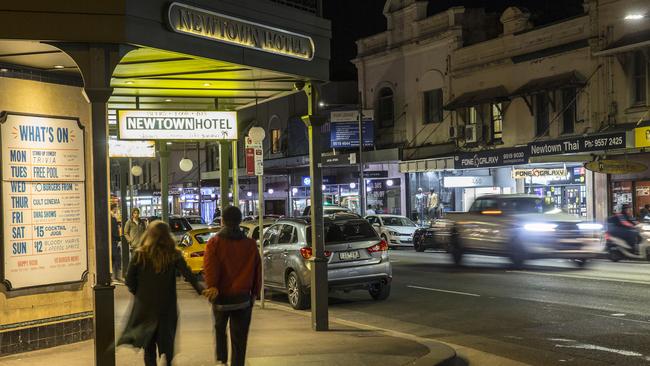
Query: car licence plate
(348, 256)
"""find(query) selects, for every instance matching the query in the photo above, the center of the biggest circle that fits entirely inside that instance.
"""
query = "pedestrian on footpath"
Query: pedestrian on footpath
(134, 229)
(232, 272)
(116, 248)
(151, 277)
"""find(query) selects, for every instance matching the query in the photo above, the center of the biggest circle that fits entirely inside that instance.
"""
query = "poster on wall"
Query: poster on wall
(43, 201)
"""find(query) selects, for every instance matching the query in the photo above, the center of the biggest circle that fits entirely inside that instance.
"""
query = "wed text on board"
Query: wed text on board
(43, 201)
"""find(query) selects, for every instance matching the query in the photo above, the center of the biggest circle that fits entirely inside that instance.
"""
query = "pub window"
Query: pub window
(569, 110)
(639, 78)
(432, 106)
(541, 114)
(386, 108)
(473, 115)
(275, 141)
(497, 121)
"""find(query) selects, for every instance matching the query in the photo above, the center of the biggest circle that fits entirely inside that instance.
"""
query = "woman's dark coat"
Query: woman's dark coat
(155, 311)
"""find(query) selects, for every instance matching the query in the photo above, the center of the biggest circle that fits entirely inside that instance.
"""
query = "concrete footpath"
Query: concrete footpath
(279, 336)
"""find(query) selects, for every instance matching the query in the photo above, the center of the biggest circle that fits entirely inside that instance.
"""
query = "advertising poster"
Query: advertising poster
(43, 201)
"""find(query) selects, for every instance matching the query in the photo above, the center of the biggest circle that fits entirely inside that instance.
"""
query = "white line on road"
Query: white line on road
(607, 279)
(447, 291)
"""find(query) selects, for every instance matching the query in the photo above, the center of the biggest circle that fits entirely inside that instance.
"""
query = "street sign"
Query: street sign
(254, 157)
(339, 160)
(642, 136)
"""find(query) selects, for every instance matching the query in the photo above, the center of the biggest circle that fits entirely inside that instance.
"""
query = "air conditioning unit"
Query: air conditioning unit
(473, 133)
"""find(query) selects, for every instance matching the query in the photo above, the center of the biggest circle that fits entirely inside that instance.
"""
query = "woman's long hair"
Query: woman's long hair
(158, 248)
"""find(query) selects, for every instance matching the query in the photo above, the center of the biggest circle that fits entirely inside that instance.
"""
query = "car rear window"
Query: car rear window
(204, 237)
(342, 231)
(179, 225)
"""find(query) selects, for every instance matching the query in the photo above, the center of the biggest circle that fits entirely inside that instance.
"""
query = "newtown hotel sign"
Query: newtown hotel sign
(206, 24)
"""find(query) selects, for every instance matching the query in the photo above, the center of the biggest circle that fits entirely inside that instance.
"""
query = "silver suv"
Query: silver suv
(357, 258)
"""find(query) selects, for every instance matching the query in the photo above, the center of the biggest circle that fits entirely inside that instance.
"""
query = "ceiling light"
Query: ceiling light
(59, 67)
(206, 84)
(169, 143)
(270, 191)
(168, 100)
(634, 16)
(4, 70)
(249, 194)
(128, 82)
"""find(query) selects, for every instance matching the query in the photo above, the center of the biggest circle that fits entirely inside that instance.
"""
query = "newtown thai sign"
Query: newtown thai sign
(609, 141)
(218, 27)
(177, 125)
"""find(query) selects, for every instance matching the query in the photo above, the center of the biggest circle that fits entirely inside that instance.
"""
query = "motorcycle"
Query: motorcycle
(619, 248)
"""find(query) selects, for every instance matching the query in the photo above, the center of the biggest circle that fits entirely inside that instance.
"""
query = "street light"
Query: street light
(634, 16)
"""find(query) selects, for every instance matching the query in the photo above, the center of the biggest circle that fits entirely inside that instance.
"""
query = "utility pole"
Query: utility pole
(362, 183)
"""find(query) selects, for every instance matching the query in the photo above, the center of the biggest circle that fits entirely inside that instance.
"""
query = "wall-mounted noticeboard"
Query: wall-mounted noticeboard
(43, 201)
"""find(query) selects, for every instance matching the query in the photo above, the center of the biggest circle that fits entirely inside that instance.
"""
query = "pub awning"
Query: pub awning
(628, 42)
(564, 80)
(477, 97)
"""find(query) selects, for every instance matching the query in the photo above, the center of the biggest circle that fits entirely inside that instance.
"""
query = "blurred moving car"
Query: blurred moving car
(196, 221)
(396, 230)
(357, 257)
(522, 227)
(192, 246)
(436, 236)
(327, 210)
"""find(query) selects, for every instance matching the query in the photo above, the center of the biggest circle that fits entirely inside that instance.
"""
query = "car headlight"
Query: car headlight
(540, 227)
(393, 233)
(590, 226)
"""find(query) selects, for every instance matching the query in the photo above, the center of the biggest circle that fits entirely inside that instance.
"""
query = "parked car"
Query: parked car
(265, 218)
(178, 225)
(357, 257)
(250, 228)
(196, 221)
(522, 227)
(394, 229)
(436, 236)
(327, 210)
(192, 246)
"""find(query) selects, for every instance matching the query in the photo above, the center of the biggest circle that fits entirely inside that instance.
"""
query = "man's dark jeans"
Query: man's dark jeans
(240, 321)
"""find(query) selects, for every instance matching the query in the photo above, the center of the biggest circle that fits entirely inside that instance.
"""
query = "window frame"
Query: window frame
(493, 130)
(547, 114)
(639, 72)
(276, 141)
(571, 110)
(429, 115)
(386, 100)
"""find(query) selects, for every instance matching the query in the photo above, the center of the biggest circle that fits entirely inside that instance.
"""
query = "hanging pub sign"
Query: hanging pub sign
(549, 173)
(642, 136)
(43, 201)
(491, 158)
(218, 27)
(131, 148)
(177, 125)
(609, 166)
(580, 144)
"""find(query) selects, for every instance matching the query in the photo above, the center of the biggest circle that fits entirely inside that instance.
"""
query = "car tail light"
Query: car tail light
(327, 253)
(306, 252)
(381, 247)
(608, 237)
(196, 254)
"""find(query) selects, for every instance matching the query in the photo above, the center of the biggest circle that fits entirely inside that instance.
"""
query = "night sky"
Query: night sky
(354, 19)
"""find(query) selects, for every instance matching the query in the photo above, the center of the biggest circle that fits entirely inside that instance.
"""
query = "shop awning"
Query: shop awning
(567, 79)
(426, 165)
(628, 42)
(473, 98)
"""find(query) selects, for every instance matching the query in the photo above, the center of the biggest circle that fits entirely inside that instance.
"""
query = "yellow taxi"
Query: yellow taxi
(192, 246)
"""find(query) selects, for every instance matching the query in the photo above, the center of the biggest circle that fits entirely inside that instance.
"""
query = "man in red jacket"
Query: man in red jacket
(232, 271)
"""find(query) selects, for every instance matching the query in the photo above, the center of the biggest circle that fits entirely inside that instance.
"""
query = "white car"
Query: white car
(394, 229)
(197, 222)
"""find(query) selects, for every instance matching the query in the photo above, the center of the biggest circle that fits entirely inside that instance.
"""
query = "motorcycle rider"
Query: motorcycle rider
(623, 225)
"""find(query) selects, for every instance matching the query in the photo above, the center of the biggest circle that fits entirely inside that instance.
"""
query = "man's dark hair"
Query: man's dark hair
(231, 216)
(113, 206)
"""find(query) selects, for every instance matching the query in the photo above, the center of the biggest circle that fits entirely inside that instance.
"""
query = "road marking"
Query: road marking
(617, 314)
(606, 279)
(446, 291)
(593, 347)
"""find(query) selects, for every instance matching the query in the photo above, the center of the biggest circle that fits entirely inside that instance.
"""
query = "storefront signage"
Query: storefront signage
(642, 136)
(339, 160)
(218, 27)
(131, 148)
(609, 141)
(254, 157)
(177, 125)
(372, 174)
(467, 181)
(344, 129)
(43, 201)
(609, 166)
(553, 173)
(491, 158)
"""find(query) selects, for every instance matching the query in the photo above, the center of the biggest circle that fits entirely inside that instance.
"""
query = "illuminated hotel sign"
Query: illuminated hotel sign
(131, 149)
(222, 28)
(177, 125)
(43, 201)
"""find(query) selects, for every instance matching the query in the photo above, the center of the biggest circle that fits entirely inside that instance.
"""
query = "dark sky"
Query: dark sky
(354, 19)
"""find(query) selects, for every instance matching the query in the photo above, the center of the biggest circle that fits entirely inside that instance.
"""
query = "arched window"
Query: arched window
(385, 108)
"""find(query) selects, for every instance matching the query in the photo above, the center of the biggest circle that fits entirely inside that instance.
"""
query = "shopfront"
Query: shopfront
(102, 57)
(631, 188)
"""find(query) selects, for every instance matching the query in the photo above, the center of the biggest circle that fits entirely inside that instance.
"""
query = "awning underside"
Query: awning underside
(496, 94)
(628, 42)
(568, 79)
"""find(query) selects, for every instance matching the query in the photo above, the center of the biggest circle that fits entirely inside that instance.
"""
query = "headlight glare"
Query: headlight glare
(540, 227)
(590, 226)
